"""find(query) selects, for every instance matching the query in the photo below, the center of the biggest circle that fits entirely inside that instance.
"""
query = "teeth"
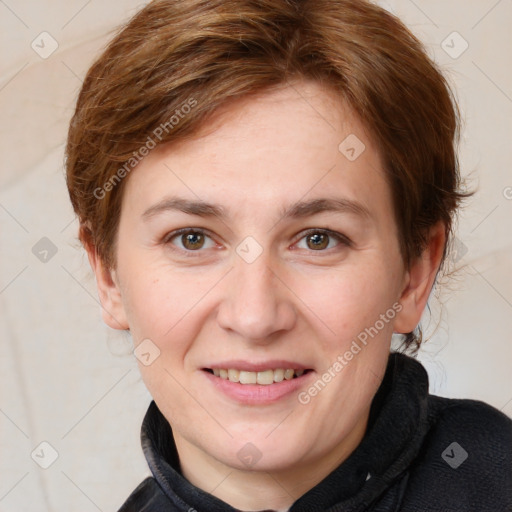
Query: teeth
(248, 377)
(233, 375)
(278, 375)
(264, 378)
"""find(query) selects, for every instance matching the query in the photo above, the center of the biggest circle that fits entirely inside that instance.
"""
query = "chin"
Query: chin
(264, 453)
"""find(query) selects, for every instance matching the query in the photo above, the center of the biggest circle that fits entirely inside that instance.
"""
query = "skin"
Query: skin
(294, 302)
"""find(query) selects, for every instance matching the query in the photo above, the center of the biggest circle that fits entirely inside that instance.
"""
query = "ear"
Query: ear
(419, 280)
(112, 308)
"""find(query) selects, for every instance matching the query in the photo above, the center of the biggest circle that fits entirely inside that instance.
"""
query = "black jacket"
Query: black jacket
(420, 453)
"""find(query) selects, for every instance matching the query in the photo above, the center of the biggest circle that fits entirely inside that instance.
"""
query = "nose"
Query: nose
(257, 303)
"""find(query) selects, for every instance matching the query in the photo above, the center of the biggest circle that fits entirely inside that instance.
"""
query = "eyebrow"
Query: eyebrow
(200, 208)
(300, 209)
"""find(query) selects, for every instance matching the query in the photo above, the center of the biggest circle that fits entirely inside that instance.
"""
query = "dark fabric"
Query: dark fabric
(407, 460)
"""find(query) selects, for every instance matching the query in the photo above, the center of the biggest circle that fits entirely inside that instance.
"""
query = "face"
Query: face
(263, 245)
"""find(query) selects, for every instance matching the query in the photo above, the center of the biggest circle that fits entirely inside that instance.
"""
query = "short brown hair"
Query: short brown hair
(212, 52)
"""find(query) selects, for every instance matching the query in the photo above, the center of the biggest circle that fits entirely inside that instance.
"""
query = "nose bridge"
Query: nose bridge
(255, 282)
(255, 304)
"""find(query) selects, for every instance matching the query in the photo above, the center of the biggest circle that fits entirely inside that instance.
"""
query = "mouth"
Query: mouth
(263, 377)
(258, 383)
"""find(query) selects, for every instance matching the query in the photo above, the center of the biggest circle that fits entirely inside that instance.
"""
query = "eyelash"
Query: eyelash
(341, 239)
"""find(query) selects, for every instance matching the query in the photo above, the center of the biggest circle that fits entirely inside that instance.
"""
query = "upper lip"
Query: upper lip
(247, 366)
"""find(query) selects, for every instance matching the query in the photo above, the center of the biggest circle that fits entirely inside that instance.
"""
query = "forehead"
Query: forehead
(297, 141)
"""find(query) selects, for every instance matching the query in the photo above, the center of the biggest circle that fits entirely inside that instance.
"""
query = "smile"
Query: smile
(265, 377)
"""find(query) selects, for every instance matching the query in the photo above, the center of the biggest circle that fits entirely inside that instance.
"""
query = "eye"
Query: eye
(190, 239)
(321, 239)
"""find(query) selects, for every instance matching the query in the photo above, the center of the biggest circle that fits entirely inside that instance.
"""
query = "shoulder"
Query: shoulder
(147, 497)
(486, 431)
(465, 459)
(450, 411)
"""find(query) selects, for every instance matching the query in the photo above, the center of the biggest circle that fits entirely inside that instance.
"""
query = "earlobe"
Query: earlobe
(419, 280)
(112, 307)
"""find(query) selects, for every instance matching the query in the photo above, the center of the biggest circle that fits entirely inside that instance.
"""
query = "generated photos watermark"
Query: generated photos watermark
(342, 360)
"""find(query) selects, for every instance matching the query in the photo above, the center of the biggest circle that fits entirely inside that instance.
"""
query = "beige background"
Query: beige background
(71, 382)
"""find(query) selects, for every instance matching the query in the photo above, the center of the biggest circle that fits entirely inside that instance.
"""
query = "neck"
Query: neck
(262, 490)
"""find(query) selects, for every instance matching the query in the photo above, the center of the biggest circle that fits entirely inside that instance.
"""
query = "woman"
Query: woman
(266, 193)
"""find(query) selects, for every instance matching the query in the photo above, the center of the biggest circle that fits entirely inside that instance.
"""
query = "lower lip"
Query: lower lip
(257, 394)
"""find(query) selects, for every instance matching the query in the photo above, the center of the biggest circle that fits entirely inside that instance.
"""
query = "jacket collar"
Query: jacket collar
(396, 429)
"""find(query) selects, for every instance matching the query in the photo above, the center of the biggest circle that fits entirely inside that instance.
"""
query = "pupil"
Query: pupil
(193, 240)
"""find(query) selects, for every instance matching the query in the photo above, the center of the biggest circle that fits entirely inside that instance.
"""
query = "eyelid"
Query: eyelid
(342, 239)
(173, 234)
(166, 240)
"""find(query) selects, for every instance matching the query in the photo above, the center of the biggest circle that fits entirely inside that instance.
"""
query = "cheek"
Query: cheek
(168, 306)
(347, 301)
(163, 306)
(155, 299)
